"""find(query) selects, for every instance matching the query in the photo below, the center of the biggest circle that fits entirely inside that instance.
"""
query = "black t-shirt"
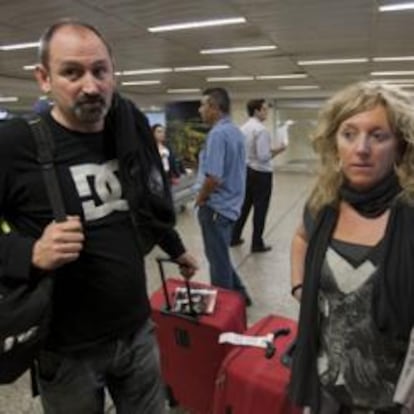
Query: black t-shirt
(102, 295)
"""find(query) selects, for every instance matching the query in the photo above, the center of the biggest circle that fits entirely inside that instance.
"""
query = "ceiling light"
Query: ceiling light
(144, 71)
(287, 76)
(18, 46)
(141, 83)
(152, 108)
(196, 68)
(196, 25)
(396, 7)
(393, 59)
(9, 98)
(237, 49)
(393, 73)
(396, 81)
(231, 79)
(29, 67)
(183, 90)
(298, 87)
(332, 61)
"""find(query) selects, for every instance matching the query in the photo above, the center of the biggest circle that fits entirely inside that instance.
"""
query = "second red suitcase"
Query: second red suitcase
(190, 353)
(253, 380)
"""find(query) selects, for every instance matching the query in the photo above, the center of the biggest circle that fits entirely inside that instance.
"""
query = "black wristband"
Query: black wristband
(295, 288)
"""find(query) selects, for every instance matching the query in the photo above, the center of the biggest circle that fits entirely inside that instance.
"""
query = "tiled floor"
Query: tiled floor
(266, 274)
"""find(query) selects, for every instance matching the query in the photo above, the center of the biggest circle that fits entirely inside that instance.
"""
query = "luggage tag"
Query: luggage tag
(265, 341)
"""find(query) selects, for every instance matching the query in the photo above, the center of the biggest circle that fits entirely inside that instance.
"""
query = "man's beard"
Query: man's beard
(90, 108)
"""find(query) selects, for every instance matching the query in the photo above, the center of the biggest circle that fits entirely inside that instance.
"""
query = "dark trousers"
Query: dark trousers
(128, 367)
(258, 192)
(330, 406)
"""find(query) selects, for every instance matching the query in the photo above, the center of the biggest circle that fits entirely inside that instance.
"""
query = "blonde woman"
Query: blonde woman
(352, 257)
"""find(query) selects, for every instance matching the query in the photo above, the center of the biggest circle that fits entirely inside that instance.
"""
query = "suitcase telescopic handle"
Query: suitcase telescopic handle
(161, 261)
(287, 356)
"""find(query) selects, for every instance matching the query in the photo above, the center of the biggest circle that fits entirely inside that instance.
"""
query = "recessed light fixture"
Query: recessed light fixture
(184, 90)
(143, 71)
(168, 70)
(393, 73)
(29, 67)
(231, 79)
(396, 7)
(393, 81)
(141, 83)
(240, 49)
(197, 68)
(18, 46)
(152, 108)
(332, 61)
(298, 87)
(287, 76)
(9, 98)
(393, 59)
(197, 25)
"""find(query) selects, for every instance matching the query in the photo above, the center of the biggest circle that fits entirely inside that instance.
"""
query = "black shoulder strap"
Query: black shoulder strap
(45, 147)
(45, 151)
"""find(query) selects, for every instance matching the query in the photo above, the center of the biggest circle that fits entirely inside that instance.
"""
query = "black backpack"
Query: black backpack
(25, 308)
(142, 175)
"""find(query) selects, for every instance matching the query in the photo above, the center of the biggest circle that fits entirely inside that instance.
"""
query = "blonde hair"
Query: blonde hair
(356, 98)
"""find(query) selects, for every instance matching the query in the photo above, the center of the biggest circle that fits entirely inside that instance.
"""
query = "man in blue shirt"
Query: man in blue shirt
(222, 176)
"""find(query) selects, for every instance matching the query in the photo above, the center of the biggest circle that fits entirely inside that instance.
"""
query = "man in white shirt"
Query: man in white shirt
(259, 175)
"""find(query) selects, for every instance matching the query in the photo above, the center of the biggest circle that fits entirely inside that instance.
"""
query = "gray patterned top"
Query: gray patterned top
(357, 365)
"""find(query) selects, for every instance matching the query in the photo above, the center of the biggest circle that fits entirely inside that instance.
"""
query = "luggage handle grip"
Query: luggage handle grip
(270, 346)
(161, 261)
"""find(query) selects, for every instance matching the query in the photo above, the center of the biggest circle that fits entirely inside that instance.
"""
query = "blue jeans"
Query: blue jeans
(128, 368)
(216, 230)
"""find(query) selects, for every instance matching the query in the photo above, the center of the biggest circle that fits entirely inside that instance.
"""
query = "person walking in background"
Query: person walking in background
(158, 132)
(221, 183)
(101, 336)
(169, 160)
(259, 175)
(352, 257)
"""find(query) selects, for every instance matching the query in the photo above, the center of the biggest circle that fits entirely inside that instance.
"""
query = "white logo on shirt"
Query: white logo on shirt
(101, 180)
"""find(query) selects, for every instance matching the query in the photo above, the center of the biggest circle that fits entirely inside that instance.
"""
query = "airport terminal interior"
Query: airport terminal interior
(295, 54)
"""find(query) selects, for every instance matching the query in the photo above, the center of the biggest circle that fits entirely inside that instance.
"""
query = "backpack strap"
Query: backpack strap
(34, 379)
(45, 154)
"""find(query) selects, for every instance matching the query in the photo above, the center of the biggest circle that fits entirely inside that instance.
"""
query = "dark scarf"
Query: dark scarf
(393, 299)
(374, 202)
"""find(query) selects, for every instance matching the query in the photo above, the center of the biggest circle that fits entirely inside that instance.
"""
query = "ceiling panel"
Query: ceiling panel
(302, 30)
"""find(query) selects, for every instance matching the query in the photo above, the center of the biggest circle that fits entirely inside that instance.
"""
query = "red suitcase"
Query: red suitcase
(254, 380)
(190, 353)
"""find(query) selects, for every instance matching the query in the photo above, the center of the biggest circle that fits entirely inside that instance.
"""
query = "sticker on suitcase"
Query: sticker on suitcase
(203, 300)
